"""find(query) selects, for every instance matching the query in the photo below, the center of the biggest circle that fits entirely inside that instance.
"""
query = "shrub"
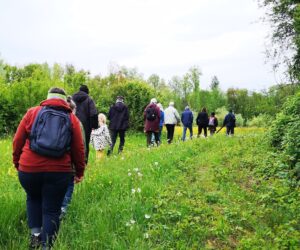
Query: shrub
(222, 112)
(262, 121)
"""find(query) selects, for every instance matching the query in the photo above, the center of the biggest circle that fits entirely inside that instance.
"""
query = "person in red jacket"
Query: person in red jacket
(152, 120)
(45, 179)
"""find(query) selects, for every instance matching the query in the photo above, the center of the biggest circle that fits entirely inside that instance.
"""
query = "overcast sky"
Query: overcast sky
(223, 37)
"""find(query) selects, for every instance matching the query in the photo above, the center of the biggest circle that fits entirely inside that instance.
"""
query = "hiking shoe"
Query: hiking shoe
(35, 241)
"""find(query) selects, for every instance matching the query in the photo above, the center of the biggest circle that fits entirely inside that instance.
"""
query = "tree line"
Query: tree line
(24, 87)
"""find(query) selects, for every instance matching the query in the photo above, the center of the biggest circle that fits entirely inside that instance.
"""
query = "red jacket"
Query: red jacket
(152, 126)
(26, 160)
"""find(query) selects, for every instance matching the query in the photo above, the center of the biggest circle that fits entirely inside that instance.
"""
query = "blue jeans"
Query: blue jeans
(45, 193)
(184, 132)
(68, 195)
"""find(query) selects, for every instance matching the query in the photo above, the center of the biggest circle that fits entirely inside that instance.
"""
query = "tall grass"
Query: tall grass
(198, 194)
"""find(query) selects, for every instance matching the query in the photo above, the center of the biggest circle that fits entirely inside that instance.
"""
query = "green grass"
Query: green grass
(200, 194)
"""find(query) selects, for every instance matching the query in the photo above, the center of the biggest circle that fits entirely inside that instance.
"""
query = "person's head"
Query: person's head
(171, 104)
(204, 110)
(187, 107)
(153, 100)
(102, 118)
(230, 110)
(84, 88)
(57, 93)
(71, 103)
(212, 114)
(160, 106)
(120, 99)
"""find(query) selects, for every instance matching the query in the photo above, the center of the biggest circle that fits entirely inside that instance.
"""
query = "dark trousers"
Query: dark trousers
(200, 127)
(184, 132)
(68, 195)
(170, 132)
(114, 134)
(149, 137)
(229, 130)
(45, 193)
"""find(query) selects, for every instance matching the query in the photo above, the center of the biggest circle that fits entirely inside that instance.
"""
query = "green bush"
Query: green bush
(284, 133)
(262, 121)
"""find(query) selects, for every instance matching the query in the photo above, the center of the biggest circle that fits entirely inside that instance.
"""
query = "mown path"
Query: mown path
(200, 194)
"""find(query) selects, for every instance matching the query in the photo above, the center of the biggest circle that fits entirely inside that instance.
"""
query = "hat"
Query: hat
(84, 88)
(153, 100)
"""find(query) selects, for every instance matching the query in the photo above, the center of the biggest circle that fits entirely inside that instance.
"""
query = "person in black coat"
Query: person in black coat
(202, 122)
(229, 122)
(119, 119)
(86, 112)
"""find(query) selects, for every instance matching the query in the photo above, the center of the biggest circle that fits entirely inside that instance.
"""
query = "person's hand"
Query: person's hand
(78, 179)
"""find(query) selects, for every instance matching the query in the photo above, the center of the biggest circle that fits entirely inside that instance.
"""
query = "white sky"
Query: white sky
(223, 37)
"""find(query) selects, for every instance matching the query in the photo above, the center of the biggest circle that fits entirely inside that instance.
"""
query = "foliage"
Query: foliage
(284, 134)
(262, 121)
(222, 112)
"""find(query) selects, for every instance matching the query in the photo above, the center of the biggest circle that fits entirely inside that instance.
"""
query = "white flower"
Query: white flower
(156, 163)
(140, 174)
(132, 221)
(136, 169)
(122, 158)
(133, 191)
(127, 224)
(147, 216)
(139, 190)
(146, 235)
(129, 174)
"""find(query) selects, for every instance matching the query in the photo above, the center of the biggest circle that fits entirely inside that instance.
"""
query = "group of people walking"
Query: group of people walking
(51, 148)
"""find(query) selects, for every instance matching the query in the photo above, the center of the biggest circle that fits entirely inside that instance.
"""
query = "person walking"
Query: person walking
(45, 166)
(171, 119)
(229, 122)
(152, 121)
(87, 113)
(100, 137)
(119, 122)
(187, 121)
(162, 120)
(212, 123)
(202, 122)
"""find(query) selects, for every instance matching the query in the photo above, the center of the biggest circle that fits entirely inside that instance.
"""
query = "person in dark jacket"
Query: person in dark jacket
(202, 122)
(44, 178)
(187, 121)
(229, 122)
(86, 112)
(212, 123)
(152, 121)
(119, 121)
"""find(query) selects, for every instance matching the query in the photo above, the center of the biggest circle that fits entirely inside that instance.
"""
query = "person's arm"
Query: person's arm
(77, 149)
(177, 116)
(93, 114)
(19, 140)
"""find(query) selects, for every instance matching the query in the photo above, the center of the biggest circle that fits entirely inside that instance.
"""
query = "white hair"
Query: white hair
(102, 118)
(153, 100)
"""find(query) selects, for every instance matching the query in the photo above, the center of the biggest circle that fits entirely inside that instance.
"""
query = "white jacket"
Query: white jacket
(100, 137)
(171, 115)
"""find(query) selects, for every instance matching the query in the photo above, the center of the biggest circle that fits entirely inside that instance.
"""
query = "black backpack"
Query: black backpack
(51, 132)
(151, 114)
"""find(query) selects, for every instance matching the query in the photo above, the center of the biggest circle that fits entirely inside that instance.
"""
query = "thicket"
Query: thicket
(24, 87)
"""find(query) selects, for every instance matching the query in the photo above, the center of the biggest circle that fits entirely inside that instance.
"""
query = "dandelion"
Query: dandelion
(146, 235)
(147, 216)
(136, 169)
(133, 191)
(132, 221)
(140, 174)
(139, 190)
(129, 174)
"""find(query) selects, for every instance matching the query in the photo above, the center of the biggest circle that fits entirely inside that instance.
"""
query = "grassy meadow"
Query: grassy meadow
(199, 194)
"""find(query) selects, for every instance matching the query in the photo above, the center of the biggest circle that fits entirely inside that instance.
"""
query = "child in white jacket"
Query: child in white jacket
(100, 137)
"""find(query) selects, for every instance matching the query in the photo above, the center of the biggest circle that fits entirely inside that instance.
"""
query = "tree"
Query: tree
(214, 83)
(154, 81)
(193, 75)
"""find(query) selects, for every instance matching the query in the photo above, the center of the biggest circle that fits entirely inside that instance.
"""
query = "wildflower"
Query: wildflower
(132, 221)
(129, 174)
(136, 169)
(147, 216)
(127, 224)
(132, 190)
(140, 174)
(138, 190)
(156, 163)
(146, 235)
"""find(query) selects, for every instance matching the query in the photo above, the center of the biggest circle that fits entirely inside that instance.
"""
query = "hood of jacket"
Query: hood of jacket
(80, 96)
(119, 106)
(56, 102)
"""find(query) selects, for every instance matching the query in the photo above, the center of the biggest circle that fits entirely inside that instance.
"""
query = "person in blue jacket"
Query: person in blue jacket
(229, 122)
(187, 121)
